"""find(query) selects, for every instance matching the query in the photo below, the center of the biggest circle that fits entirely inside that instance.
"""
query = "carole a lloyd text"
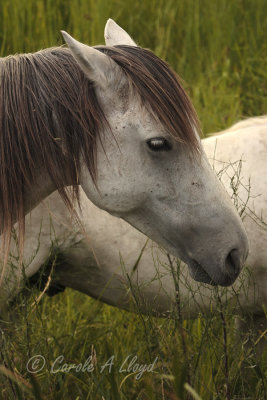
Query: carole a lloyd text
(130, 364)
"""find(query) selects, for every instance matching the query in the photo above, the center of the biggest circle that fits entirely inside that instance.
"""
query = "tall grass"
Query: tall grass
(203, 358)
(219, 48)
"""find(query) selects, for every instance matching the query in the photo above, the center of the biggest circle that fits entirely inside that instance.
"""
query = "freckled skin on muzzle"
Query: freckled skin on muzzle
(215, 253)
(219, 248)
(210, 266)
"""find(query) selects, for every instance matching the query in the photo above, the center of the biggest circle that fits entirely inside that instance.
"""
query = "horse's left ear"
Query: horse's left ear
(97, 66)
(115, 35)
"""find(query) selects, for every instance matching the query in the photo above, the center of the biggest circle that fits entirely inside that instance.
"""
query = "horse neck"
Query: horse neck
(43, 188)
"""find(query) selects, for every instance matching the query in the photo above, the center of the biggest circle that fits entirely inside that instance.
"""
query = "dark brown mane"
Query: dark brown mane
(50, 117)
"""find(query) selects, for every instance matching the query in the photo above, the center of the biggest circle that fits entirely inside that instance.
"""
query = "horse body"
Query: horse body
(116, 121)
(240, 161)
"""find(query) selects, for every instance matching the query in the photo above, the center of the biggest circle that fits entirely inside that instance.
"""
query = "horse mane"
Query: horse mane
(50, 117)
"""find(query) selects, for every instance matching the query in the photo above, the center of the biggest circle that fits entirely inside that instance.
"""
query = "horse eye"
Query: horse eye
(159, 144)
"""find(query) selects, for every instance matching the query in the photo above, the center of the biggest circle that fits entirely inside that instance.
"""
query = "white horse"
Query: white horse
(62, 110)
(99, 257)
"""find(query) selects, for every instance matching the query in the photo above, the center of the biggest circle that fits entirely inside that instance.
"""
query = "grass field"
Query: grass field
(219, 48)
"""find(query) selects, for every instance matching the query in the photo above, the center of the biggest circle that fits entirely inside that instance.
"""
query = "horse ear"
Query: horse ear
(97, 66)
(115, 35)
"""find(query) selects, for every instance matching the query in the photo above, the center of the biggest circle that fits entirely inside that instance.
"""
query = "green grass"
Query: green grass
(219, 48)
(207, 353)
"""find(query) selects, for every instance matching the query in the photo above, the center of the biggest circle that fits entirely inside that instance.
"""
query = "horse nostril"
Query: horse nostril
(232, 263)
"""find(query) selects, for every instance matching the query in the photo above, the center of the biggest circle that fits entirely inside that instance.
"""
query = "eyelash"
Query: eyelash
(159, 144)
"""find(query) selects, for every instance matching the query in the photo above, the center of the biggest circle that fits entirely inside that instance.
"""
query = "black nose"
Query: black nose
(233, 263)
